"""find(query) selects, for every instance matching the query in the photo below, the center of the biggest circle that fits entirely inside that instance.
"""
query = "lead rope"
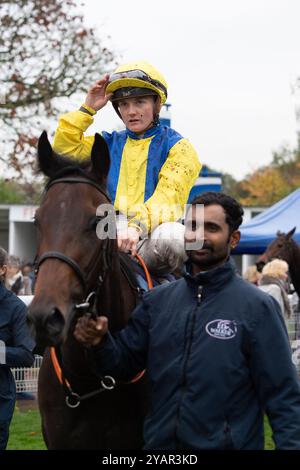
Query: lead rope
(150, 285)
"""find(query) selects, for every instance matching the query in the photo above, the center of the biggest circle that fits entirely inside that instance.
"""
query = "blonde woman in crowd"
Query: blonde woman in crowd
(273, 281)
(252, 275)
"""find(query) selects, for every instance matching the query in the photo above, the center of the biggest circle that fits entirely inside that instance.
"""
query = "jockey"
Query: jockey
(153, 168)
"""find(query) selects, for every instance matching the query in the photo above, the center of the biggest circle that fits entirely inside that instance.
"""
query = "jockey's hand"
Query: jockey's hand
(90, 332)
(97, 97)
(128, 239)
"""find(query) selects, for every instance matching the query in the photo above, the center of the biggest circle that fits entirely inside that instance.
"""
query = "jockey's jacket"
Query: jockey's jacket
(150, 178)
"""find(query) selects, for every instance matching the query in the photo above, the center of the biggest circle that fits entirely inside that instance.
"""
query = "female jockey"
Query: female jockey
(153, 168)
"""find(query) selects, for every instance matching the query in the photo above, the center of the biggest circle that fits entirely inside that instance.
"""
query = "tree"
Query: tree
(263, 187)
(230, 186)
(12, 192)
(269, 184)
(46, 54)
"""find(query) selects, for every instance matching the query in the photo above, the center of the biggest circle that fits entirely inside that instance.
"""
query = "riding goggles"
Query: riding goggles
(140, 75)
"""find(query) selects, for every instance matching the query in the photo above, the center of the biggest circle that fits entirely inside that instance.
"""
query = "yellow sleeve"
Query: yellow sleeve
(69, 138)
(176, 179)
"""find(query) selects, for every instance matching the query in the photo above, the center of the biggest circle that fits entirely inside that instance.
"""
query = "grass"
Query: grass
(25, 431)
(269, 443)
(26, 434)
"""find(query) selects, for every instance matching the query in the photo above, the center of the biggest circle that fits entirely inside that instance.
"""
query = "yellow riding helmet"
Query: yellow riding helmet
(138, 75)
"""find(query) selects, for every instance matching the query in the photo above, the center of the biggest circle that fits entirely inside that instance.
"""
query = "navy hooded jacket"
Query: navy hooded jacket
(16, 346)
(218, 357)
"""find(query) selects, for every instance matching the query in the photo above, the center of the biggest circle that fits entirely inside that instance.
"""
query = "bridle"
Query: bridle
(66, 259)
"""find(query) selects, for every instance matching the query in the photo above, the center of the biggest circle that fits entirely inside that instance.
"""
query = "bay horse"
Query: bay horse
(284, 247)
(74, 268)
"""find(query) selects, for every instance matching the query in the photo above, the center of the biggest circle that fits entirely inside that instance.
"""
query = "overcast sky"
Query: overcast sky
(229, 65)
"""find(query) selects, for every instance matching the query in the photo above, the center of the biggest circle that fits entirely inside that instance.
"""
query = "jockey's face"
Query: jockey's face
(217, 242)
(137, 113)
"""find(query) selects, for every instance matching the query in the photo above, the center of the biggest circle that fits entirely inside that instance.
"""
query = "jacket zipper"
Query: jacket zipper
(199, 295)
(189, 345)
(228, 444)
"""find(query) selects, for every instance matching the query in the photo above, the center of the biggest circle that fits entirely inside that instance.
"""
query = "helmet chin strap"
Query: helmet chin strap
(155, 121)
(156, 110)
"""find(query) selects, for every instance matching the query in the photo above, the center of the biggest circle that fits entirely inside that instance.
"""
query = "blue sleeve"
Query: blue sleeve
(275, 376)
(123, 355)
(19, 353)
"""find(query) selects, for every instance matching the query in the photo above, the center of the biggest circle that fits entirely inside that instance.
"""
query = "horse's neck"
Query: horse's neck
(294, 267)
(118, 299)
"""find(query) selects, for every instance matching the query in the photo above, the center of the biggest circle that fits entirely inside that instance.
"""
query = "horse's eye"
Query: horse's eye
(35, 221)
(95, 221)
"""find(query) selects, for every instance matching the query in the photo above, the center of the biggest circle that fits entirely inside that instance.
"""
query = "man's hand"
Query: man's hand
(128, 239)
(90, 332)
(97, 97)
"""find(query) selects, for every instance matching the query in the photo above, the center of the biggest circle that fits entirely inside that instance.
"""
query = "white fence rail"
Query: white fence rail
(26, 378)
(293, 327)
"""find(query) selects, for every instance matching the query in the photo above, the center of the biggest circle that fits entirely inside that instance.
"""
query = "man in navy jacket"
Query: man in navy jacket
(215, 347)
(16, 349)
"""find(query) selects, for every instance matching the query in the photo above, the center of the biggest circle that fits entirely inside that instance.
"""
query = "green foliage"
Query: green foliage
(267, 184)
(230, 185)
(11, 192)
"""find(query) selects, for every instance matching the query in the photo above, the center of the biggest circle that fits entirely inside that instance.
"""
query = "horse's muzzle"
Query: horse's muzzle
(47, 328)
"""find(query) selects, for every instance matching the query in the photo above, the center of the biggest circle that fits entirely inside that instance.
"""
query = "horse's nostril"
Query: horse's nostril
(54, 323)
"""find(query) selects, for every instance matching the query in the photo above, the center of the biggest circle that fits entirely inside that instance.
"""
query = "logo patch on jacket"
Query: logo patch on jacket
(221, 329)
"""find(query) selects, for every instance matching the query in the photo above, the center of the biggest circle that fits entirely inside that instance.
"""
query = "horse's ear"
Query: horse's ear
(290, 233)
(46, 157)
(278, 233)
(100, 157)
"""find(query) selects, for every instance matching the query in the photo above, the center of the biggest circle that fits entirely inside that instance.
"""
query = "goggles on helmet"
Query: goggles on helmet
(139, 74)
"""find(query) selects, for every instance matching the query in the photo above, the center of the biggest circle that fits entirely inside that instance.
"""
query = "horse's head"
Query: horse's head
(70, 255)
(278, 248)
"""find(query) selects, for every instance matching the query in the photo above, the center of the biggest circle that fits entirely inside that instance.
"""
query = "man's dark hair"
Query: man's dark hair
(3, 256)
(233, 210)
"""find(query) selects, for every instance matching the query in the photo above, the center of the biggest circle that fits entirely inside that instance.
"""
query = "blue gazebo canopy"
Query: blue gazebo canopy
(258, 233)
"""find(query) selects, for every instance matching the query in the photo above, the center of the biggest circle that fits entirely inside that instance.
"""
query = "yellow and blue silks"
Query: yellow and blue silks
(150, 178)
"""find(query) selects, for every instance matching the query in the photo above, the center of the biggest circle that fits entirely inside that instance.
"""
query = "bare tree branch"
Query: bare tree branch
(46, 54)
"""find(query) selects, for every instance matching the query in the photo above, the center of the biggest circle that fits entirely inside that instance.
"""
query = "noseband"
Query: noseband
(61, 256)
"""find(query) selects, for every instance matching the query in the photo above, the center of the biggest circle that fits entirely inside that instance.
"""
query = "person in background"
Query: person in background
(28, 272)
(16, 348)
(273, 281)
(252, 275)
(153, 167)
(15, 281)
(215, 348)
